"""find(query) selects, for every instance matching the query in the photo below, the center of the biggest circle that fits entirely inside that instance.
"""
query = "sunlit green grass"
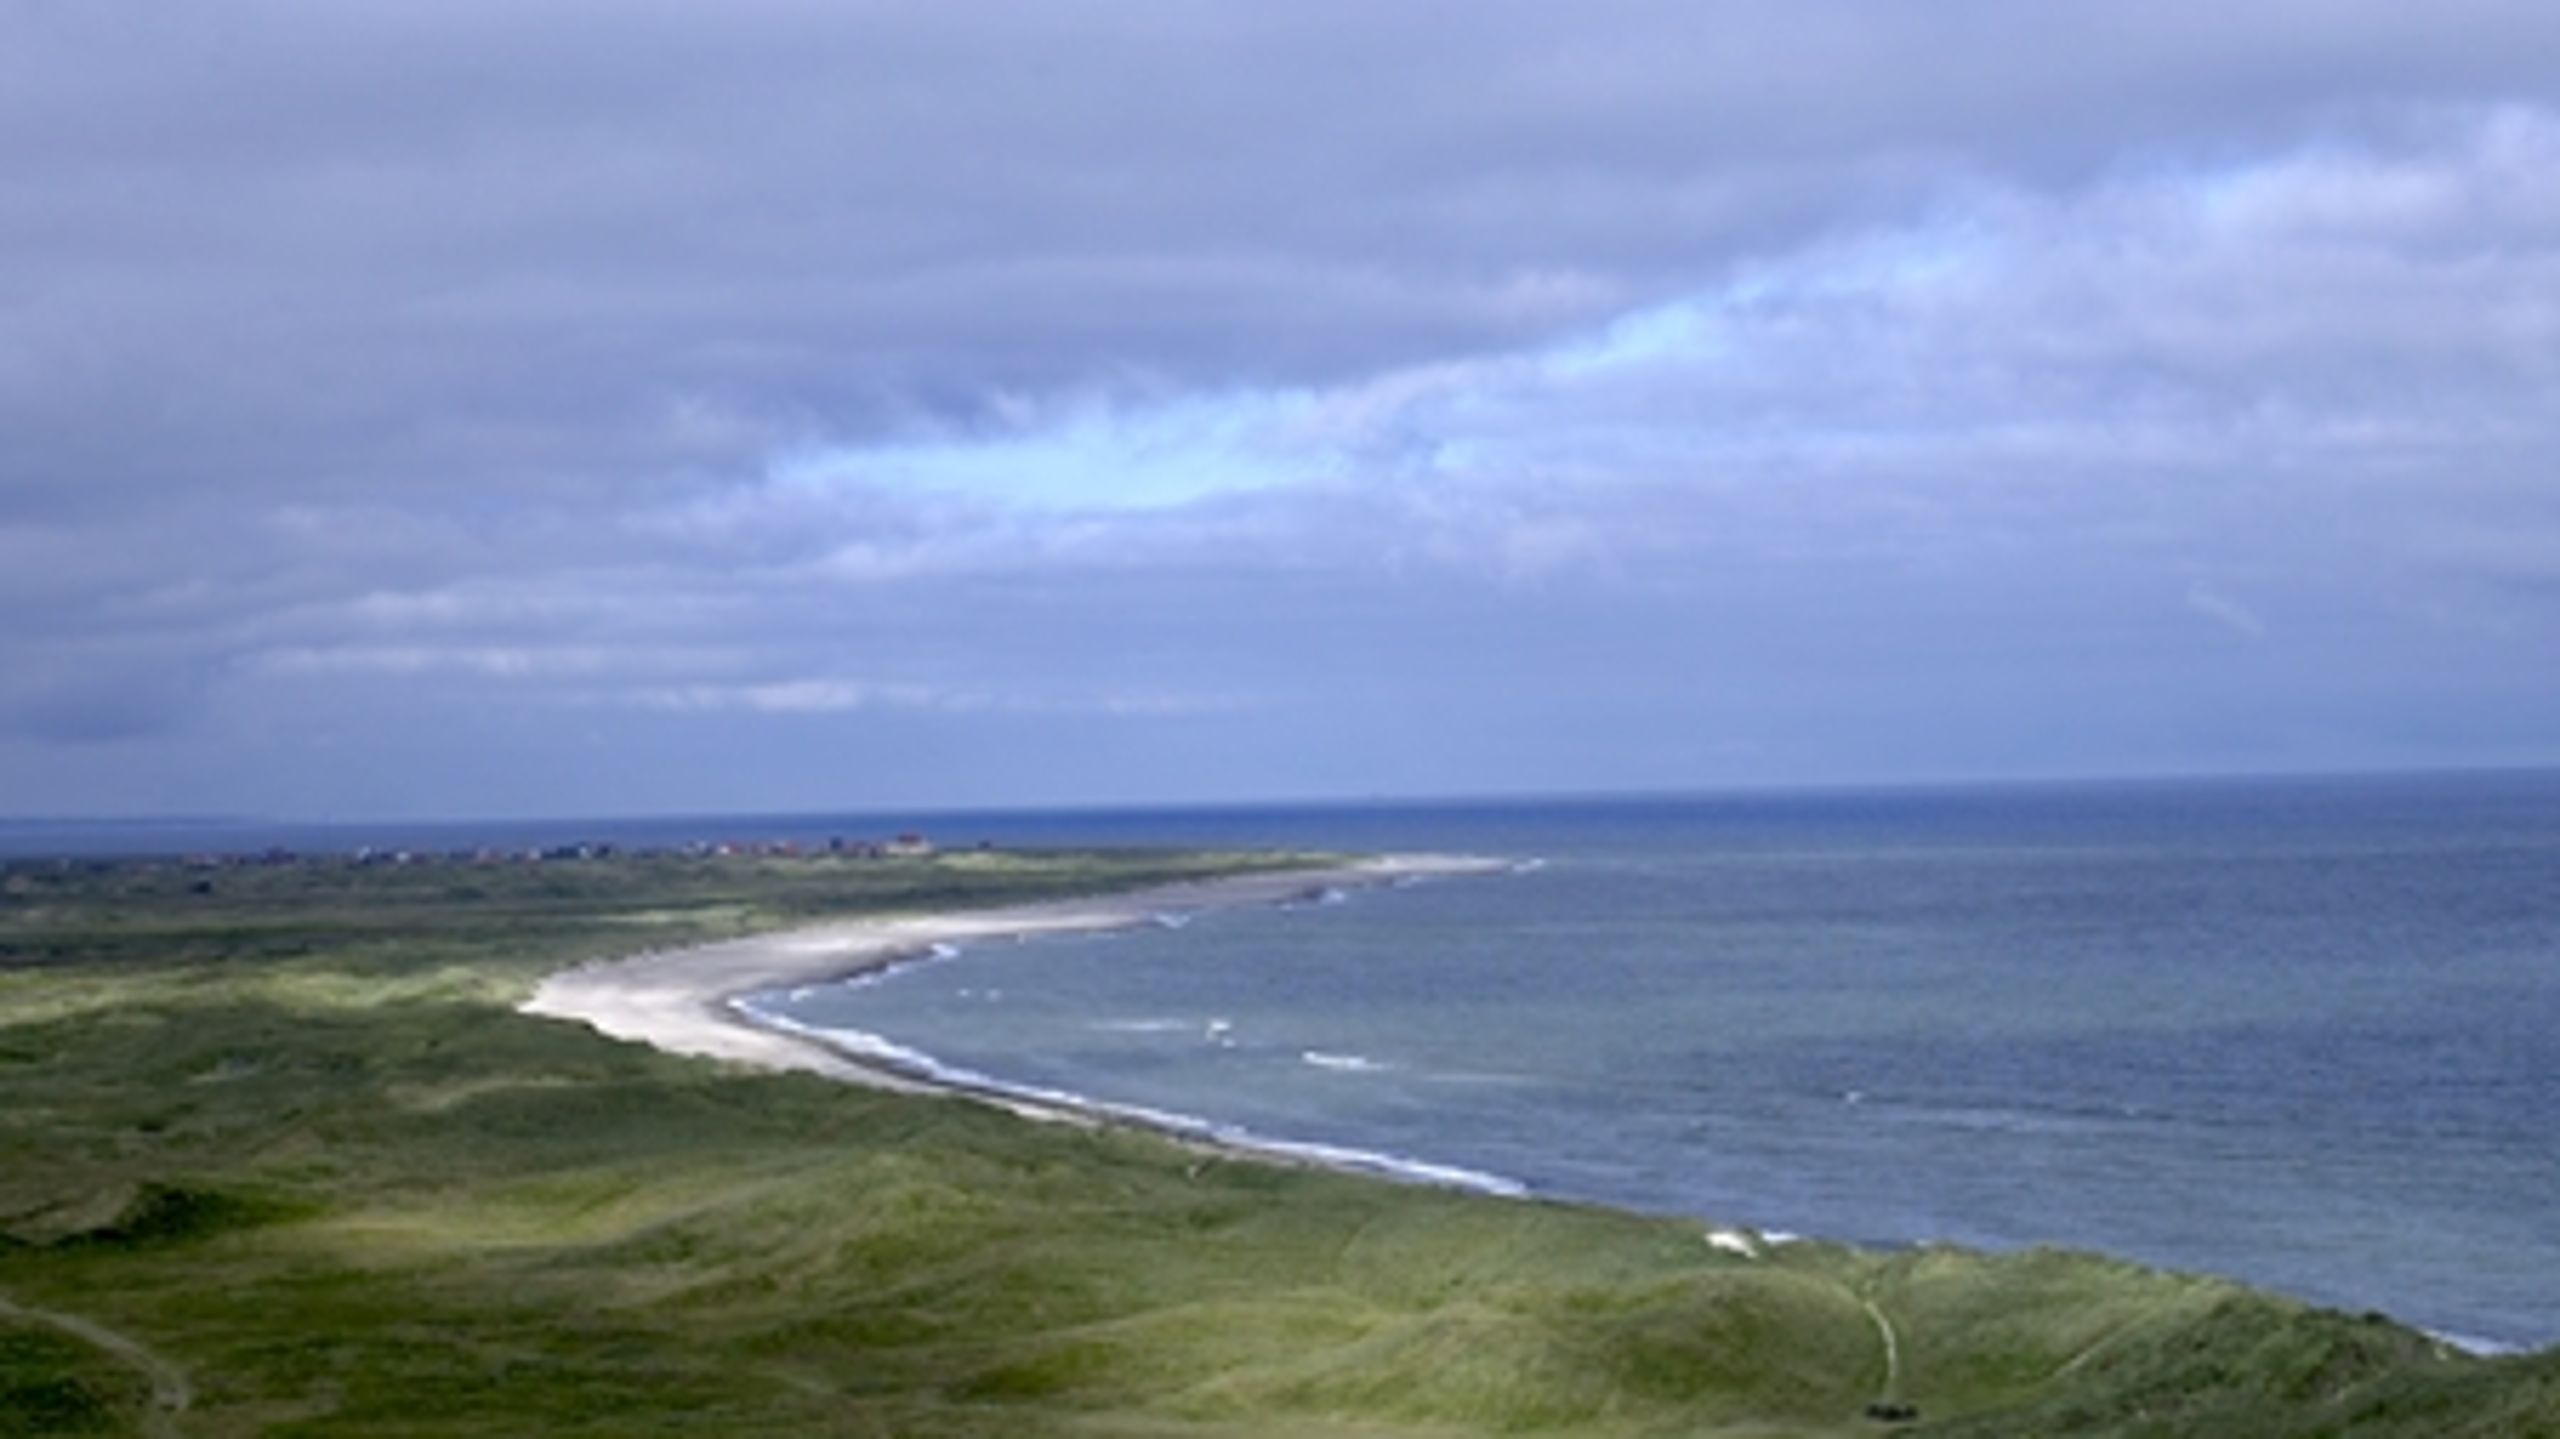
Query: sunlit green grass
(297, 1143)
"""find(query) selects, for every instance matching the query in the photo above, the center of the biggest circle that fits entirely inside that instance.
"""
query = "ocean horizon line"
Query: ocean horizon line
(214, 826)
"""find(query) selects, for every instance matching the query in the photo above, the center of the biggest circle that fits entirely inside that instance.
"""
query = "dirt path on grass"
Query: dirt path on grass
(170, 1393)
(1892, 1350)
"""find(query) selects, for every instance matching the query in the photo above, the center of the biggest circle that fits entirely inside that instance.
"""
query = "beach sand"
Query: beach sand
(681, 1000)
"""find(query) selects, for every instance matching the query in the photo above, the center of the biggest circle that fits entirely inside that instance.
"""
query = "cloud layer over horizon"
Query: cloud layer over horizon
(473, 410)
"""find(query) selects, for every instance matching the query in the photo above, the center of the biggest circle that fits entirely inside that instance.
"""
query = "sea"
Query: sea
(2302, 1032)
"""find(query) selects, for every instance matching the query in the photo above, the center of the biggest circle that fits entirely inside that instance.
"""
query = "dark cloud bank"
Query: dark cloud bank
(472, 408)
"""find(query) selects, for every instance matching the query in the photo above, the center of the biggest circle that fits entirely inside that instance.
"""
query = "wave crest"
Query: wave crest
(1343, 1063)
(918, 1065)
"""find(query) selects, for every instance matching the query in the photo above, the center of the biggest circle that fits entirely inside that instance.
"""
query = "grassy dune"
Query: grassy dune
(287, 1145)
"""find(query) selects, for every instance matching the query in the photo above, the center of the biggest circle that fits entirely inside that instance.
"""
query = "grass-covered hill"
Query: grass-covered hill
(278, 1157)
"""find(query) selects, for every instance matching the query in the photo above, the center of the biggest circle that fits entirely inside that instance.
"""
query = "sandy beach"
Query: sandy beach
(683, 1000)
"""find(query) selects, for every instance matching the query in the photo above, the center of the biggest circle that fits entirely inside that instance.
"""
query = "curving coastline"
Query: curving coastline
(694, 1001)
(703, 1001)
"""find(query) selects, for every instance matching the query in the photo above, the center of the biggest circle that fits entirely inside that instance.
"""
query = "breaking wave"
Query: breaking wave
(2481, 1348)
(1343, 1063)
(917, 1065)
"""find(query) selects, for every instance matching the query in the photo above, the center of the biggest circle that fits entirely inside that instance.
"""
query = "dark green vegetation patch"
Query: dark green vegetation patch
(281, 1159)
(52, 1383)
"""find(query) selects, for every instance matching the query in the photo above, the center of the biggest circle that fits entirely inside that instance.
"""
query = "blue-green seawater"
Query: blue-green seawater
(2303, 1033)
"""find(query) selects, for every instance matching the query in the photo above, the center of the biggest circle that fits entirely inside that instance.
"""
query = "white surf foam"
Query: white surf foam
(933, 953)
(1392, 1166)
(858, 1043)
(1733, 1241)
(2474, 1345)
(1343, 1063)
(916, 1064)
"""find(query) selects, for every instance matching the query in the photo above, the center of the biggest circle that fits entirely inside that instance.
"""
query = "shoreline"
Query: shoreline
(696, 1001)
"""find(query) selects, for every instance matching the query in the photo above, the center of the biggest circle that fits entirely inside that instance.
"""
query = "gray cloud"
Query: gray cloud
(1715, 380)
(633, 244)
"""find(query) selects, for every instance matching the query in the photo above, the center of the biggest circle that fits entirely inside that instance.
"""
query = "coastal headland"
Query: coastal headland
(282, 1152)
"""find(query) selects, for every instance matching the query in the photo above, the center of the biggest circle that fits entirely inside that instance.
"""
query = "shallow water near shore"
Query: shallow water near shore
(2304, 1033)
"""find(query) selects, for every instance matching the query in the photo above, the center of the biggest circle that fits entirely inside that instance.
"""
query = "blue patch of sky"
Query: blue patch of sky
(1100, 457)
(1595, 392)
(1687, 328)
(1148, 456)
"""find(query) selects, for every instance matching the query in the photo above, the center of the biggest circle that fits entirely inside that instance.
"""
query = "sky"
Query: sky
(449, 408)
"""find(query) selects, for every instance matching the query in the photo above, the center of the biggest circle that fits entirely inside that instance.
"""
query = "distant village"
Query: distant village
(904, 846)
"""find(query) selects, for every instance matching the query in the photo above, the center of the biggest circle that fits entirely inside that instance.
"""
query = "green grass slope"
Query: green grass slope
(293, 1150)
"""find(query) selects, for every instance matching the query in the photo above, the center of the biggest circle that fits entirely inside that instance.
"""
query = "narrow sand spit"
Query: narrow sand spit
(679, 1000)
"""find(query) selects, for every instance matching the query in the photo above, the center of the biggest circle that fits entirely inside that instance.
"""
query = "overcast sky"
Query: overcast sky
(472, 408)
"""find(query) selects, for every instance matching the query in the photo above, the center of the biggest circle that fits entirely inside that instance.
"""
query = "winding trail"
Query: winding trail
(1892, 1350)
(170, 1392)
